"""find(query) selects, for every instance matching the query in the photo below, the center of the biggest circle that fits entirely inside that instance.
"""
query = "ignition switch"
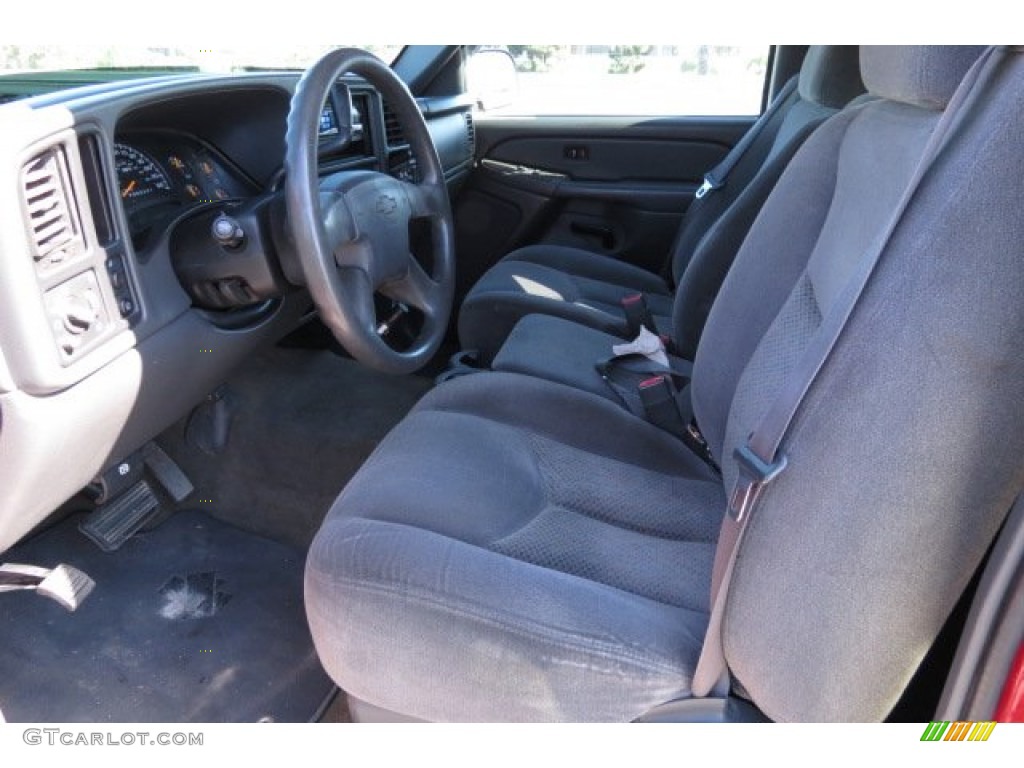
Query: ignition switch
(227, 232)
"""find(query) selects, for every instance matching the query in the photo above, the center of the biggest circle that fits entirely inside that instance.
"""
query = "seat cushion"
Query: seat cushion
(555, 280)
(570, 600)
(558, 350)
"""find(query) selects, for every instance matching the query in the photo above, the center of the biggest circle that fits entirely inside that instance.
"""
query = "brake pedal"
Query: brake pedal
(167, 472)
(113, 523)
(64, 584)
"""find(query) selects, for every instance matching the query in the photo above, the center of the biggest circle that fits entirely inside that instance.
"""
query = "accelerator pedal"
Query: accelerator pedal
(64, 584)
(113, 523)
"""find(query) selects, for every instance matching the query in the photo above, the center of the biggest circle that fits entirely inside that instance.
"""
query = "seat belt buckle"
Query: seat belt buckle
(658, 399)
(638, 316)
(754, 475)
(656, 390)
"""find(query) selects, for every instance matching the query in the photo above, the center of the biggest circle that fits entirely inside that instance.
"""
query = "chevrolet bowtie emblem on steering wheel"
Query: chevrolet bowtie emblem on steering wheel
(386, 205)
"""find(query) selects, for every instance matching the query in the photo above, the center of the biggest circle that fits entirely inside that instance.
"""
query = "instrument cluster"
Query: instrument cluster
(159, 175)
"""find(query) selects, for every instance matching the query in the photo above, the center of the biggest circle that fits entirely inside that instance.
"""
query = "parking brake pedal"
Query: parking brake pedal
(64, 584)
(113, 523)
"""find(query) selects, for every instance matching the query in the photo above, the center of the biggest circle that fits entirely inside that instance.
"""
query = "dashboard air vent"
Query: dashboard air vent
(470, 133)
(393, 127)
(52, 222)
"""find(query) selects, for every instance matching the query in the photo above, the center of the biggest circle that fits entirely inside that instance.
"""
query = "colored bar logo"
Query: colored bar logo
(958, 731)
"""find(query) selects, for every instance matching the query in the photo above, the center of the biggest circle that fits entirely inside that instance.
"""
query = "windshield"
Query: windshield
(28, 58)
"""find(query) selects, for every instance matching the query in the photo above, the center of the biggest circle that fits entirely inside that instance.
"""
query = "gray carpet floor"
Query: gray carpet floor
(201, 619)
(303, 422)
(193, 621)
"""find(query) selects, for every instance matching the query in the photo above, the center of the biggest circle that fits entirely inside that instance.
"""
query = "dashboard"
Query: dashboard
(162, 171)
(118, 310)
(172, 157)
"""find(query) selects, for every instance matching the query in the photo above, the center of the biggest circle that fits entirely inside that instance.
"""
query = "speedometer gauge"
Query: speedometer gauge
(139, 178)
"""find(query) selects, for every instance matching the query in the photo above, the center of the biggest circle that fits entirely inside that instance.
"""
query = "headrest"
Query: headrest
(830, 75)
(922, 75)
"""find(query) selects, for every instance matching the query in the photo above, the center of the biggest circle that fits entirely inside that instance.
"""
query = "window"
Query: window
(627, 80)
(23, 58)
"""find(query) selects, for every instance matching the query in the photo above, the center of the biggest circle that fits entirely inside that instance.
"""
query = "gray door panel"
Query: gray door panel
(615, 185)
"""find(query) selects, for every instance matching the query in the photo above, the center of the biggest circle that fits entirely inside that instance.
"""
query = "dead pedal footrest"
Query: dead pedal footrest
(112, 524)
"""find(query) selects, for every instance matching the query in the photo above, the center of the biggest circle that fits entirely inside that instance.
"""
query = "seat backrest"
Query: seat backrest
(905, 453)
(714, 226)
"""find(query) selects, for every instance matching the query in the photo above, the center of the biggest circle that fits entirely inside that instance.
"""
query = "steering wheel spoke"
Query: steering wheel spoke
(423, 200)
(416, 288)
(339, 230)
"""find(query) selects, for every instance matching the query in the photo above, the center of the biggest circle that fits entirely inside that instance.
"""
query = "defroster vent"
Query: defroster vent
(470, 133)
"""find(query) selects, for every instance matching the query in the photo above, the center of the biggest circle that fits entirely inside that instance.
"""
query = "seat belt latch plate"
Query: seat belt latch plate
(709, 185)
(754, 474)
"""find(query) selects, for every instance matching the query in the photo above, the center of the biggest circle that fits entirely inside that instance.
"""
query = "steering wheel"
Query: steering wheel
(351, 229)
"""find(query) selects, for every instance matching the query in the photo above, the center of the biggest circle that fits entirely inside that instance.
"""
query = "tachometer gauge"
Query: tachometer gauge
(139, 178)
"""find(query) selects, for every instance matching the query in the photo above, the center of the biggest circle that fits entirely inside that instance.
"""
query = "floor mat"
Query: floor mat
(194, 621)
(304, 422)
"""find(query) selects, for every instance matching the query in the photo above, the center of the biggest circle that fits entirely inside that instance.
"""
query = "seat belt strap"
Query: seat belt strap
(759, 460)
(719, 175)
(658, 395)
